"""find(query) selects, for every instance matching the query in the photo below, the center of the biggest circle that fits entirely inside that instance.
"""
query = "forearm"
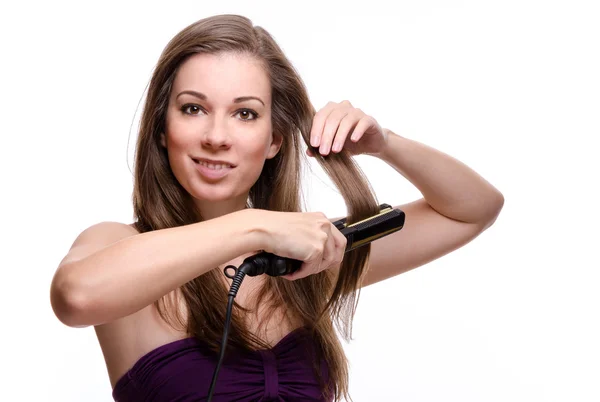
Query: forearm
(448, 185)
(132, 273)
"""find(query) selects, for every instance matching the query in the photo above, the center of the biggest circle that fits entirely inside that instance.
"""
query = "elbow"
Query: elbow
(495, 210)
(69, 302)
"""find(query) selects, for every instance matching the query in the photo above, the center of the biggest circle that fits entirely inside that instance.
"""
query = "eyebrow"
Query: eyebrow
(204, 97)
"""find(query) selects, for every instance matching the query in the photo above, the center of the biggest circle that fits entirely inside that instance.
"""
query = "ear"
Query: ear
(275, 145)
(163, 140)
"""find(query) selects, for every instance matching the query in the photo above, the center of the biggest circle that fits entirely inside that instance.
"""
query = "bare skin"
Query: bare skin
(126, 340)
(92, 284)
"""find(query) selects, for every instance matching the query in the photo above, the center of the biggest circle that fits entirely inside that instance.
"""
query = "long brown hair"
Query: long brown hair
(321, 301)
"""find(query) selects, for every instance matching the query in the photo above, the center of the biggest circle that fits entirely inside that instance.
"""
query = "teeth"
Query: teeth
(214, 166)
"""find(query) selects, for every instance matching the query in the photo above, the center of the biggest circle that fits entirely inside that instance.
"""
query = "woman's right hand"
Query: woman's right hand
(305, 236)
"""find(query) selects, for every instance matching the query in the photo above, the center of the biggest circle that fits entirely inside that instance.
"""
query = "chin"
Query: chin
(212, 194)
(215, 192)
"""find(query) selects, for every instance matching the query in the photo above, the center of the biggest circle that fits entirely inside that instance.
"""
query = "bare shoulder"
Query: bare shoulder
(125, 340)
(97, 237)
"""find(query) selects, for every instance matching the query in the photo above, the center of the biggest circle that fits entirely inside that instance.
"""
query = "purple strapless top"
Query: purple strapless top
(182, 371)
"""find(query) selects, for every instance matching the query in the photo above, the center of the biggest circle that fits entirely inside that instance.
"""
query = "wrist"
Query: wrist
(391, 143)
(255, 232)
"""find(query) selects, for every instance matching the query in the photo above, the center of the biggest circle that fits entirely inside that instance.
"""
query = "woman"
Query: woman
(217, 178)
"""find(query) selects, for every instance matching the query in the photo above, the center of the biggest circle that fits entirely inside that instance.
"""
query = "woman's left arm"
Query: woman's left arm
(449, 186)
(457, 204)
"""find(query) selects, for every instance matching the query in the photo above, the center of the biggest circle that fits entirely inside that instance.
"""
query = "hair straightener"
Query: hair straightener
(358, 234)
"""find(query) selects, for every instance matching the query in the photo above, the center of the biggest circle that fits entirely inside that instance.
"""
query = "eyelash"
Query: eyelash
(186, 106)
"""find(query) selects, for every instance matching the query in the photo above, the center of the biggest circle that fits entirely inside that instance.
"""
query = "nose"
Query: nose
(217, 136)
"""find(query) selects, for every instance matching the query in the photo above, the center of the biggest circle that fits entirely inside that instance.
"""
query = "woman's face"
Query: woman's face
(219, 110)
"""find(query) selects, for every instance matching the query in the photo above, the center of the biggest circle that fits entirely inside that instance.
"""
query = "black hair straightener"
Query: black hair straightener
(358, 234)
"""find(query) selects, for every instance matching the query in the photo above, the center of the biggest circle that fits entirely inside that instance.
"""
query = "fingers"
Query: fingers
(334, 123)
(323, 249)
(334, 249)
(319, 123)
(314, 263)
(340, 245)
(329, 253)
(331, 128)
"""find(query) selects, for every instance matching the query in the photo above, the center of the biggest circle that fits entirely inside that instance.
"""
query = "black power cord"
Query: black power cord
(357, 234)
(262, 263)
(235, 286)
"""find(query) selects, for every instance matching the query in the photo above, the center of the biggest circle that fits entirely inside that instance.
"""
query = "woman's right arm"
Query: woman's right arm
(112, 271)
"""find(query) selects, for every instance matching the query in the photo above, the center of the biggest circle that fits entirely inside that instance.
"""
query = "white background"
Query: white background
(510, 88)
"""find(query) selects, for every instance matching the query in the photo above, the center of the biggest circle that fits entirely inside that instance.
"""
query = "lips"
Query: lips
(213, 162)
(211, 171)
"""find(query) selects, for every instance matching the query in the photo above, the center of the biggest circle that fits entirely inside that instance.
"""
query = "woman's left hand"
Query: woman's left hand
(340, 126)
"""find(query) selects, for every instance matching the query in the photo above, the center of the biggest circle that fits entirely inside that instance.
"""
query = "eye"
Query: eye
(193, 109)
(190, 109)
(247, 112)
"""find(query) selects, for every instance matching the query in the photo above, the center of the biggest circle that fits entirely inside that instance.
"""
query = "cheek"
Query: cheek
(256, 149)
(179, 134)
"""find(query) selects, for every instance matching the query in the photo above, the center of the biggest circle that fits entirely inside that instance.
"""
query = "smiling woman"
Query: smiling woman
(217, 178)
(218, 157)
(206, 116)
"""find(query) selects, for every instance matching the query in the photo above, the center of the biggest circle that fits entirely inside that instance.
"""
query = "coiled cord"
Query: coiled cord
(237, 277)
